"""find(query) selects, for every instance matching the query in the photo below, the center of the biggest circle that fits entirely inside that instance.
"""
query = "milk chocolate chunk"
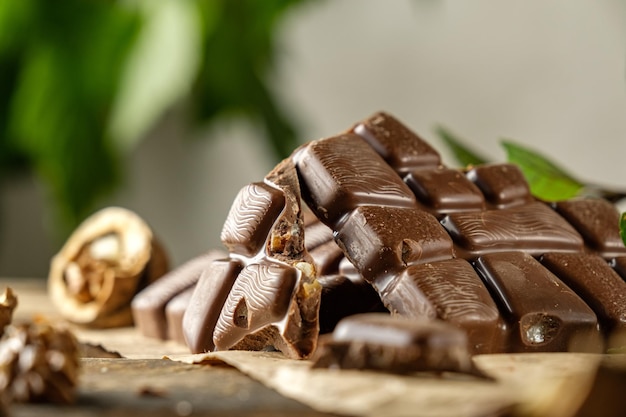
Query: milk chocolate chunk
(342, 173)
(326, 258)
(503, 184)
(397, 144)
(206, 303)
(343, 297)
(543, 313)
(259, 297)
(444, 190)
(148, 306)
(534, 228)
(597, 220)
(455, 292)
(382, 241)
(394, 344)
(594, 281)
(250, 218)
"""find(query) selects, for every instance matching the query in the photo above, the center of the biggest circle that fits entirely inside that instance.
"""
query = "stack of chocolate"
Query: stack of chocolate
(371, 220)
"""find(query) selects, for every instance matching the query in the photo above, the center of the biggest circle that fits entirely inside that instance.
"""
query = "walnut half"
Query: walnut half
(110, 257)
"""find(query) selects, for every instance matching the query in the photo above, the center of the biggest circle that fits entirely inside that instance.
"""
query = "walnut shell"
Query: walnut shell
(8, 303)
(110, 257)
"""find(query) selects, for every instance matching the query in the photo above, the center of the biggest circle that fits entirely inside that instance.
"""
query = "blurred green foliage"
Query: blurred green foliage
(83, 81)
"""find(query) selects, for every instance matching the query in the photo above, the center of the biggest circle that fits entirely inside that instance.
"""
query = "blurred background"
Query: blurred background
(168, 107)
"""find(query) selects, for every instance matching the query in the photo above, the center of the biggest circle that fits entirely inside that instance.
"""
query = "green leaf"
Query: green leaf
(464, 155)
(622, 227)
(547, 180)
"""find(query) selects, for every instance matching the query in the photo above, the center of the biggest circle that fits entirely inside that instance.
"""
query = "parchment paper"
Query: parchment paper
(526, 384)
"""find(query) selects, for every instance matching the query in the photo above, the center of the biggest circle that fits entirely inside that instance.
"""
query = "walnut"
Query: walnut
(8, 302)
(110, 257)
(38, 363)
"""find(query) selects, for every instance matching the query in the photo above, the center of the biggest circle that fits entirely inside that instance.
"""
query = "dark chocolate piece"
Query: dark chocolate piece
(397, 144)
(503, 185)
(343, 297)
(393, 344)
(595, 281)
(148, 306)
(543, 313)
(344, 172)
(452, 291)
(534, 228)
(597, 220)
(382, 241)
(445, 190)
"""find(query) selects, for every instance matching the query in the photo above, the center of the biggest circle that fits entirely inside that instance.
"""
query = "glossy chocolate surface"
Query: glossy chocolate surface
(543, 313)
(381, 342)
(148, 306)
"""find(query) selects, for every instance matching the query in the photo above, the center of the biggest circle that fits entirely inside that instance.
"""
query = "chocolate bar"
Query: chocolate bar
(470, 247)
(380, 342)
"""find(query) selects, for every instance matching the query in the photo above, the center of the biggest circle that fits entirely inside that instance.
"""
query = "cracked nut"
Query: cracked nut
(8, 303)
(38, 363)
(110, 257)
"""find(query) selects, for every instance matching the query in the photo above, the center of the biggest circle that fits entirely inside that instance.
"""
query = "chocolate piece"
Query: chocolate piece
(251, 217)
(274, 300)
(260, 296)
(317, 233)
(382, 241)
(597, 220)
(452, 291)
(174, 312)
(394, 344)
(206, 303)
(344, 172)
(533, 228)
(543, 313)
(148, 306)
(503, 185)
(343, 297)
(594, 280)
(326, 258)
(398, 145)
(445, 190)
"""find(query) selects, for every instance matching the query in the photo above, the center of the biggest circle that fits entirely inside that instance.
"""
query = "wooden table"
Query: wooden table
(142, 382)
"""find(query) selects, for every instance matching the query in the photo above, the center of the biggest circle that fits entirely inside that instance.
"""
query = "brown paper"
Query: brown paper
(527, 382)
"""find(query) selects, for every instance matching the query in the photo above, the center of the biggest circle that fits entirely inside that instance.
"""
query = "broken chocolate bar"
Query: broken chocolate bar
(266, 295)
(393, 344)
(470, 247)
